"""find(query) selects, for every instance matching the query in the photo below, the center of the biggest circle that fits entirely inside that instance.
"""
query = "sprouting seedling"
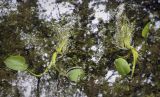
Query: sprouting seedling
(18, 62)
(61, 48)
(123, 37)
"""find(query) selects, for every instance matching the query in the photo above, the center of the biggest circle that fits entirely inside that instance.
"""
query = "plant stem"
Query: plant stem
(52, 63)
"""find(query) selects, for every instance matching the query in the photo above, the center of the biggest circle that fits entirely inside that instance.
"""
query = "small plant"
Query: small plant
(18, 62)
(123, 37)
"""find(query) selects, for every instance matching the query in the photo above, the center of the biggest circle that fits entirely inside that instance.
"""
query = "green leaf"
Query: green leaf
(75, 74)
(145, 30)
(17, 63)
(135, 57)
(122, 66)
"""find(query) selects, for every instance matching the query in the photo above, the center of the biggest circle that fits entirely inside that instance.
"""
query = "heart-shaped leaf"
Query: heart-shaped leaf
(17, 63)
(75, 74)
(122, 66)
